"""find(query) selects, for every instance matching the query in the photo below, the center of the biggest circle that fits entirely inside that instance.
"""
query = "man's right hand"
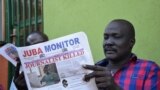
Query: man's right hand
(19, 79)
(103, 77)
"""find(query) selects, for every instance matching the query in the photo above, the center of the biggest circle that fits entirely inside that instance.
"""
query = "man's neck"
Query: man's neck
(114, 64)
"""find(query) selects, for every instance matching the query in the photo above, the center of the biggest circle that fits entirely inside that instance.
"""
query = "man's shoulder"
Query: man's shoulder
(145, 61)
(102, 62)
(150, 64)
(149, 67)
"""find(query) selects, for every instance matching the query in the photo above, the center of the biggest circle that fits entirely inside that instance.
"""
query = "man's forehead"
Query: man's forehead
(115, 27)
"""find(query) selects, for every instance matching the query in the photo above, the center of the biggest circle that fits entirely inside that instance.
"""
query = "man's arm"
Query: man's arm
(19, 79)
(152, 81)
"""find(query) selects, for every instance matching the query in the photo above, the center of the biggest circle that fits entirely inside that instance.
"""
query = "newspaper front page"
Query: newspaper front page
(57, 64)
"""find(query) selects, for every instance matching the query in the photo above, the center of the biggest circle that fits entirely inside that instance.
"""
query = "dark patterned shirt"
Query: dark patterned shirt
(137, 74)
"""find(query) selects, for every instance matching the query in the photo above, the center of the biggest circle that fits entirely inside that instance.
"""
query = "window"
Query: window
(21, 18)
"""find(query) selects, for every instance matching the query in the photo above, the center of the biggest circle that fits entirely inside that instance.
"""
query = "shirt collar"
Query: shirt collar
(104, 62)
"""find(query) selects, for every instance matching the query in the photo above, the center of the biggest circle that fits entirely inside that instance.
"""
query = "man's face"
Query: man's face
(34, 39)
(45, 70)
(116, 42)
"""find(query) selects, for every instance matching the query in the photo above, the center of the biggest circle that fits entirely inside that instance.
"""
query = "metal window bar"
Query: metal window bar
(29, 3)
(22, 17)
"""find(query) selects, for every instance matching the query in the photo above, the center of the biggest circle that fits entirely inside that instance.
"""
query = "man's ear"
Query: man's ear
(132, 42)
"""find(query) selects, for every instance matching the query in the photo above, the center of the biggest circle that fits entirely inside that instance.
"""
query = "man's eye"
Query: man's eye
(105, 36)
(117, 36)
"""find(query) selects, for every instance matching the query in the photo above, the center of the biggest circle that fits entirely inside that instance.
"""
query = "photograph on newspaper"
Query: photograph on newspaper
(57, 64)
(9, 52)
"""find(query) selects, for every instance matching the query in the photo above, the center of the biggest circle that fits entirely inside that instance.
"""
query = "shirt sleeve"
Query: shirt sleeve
(152, 81)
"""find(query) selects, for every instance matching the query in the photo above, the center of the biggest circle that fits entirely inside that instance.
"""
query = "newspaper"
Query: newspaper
(9, 52)
(57, 64)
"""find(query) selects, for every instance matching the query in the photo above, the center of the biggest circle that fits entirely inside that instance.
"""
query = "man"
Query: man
(121, 69)
(33, 38)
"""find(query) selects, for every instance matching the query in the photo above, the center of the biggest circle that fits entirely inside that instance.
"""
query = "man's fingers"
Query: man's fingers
(100, 79)
(89, 76)
(96, 74)
(93, 67)
(105, 73)
(102, 85)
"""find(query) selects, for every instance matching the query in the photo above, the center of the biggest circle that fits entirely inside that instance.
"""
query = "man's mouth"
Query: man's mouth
(110, 51)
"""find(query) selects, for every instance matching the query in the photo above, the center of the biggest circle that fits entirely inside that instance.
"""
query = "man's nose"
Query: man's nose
(109, 42)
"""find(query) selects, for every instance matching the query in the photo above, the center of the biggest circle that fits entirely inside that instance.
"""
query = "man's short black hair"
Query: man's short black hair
(2, 43)
(128, 25)
(41, 34)
(44, 36)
